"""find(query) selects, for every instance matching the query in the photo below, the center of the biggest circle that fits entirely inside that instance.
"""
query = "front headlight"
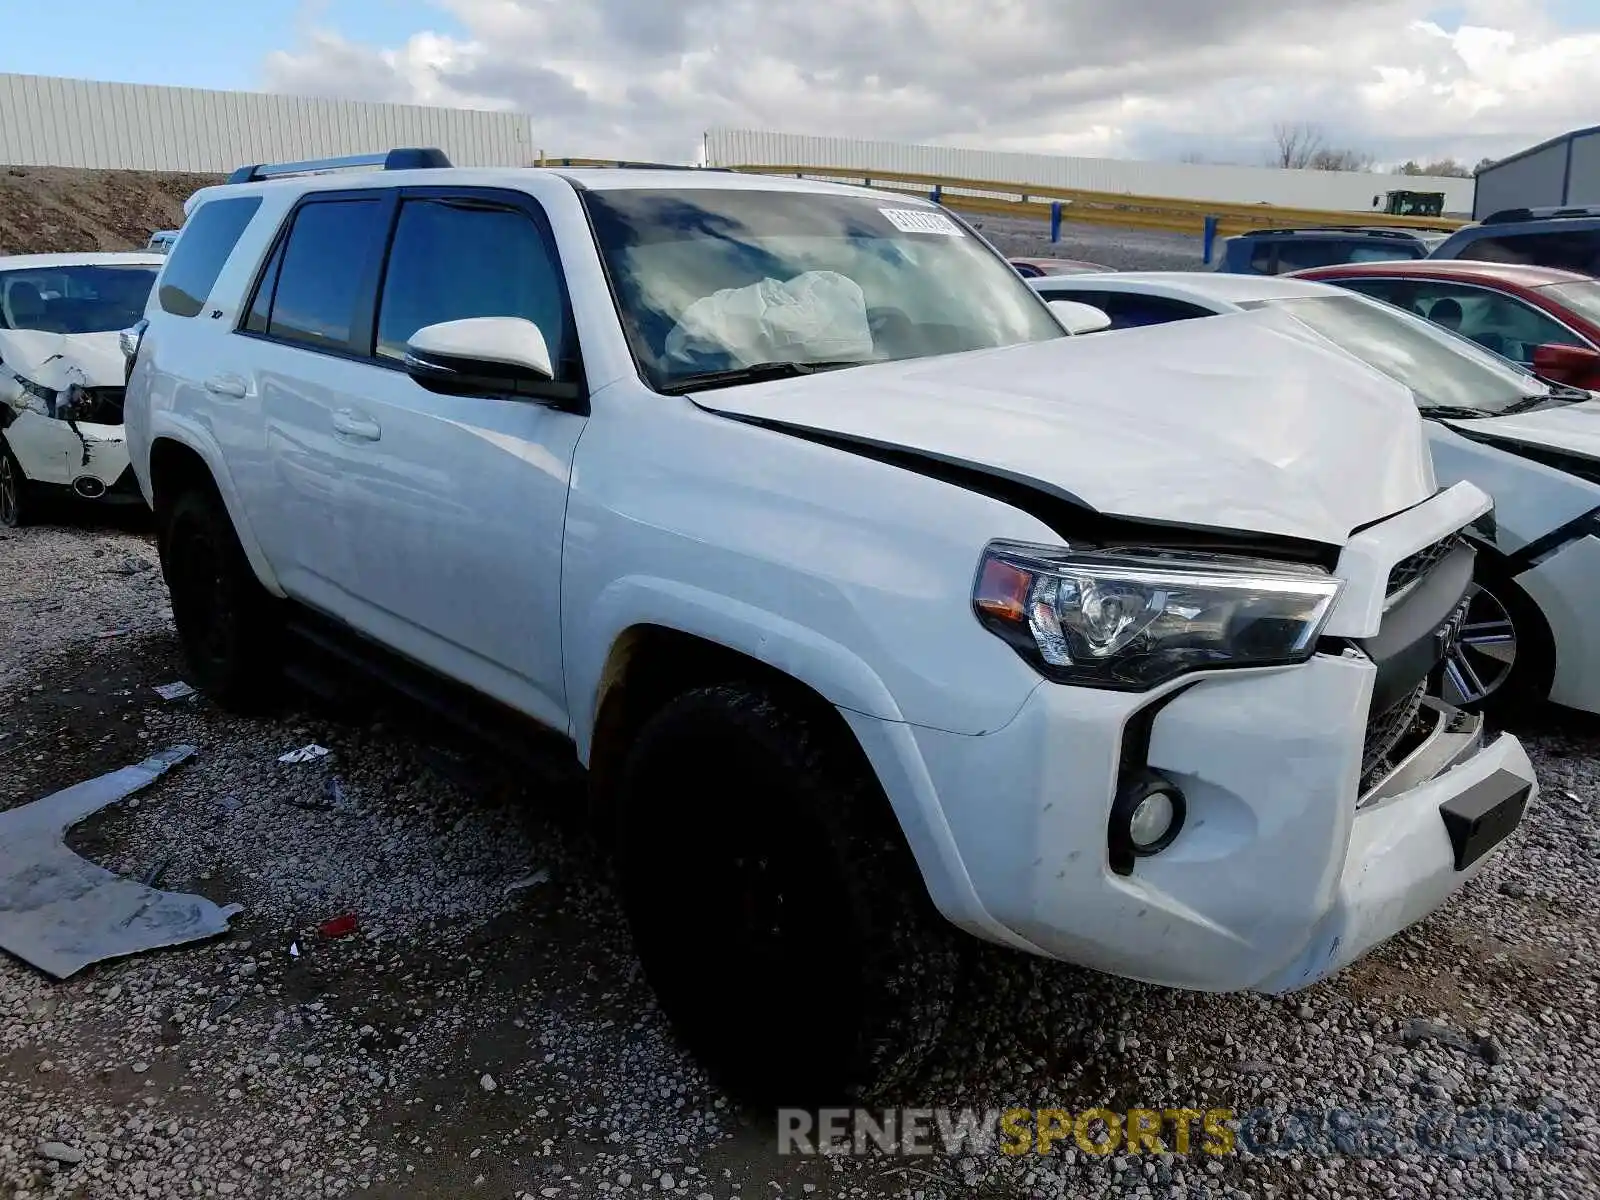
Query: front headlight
(1129, 620)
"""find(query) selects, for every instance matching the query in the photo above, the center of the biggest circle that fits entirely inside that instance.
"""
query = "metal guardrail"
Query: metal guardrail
(1207, 219)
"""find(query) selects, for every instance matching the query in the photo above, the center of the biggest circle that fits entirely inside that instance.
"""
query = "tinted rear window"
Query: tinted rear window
(1569, 249)
(201, 252)
(327, 272)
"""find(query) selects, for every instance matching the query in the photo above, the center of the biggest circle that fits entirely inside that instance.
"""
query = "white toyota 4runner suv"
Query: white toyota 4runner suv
(864, 593)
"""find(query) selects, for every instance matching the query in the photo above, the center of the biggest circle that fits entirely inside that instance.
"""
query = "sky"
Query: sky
(1154, 79)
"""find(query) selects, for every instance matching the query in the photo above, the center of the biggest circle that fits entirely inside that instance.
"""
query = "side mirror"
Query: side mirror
(1078, 318)
(480, 355)
(1577, 366)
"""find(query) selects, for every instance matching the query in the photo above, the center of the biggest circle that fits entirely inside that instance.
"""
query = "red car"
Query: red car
(1546, 319)
(1033, 268)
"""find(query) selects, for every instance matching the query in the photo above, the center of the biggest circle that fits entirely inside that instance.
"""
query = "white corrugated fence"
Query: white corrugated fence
(45, 121)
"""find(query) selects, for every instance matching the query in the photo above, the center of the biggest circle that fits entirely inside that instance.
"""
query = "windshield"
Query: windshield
(717, 280)
(78, 299)
(1581, 298)
(1443, 369)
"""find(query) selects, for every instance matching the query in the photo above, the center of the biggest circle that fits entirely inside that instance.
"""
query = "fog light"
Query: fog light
(1146, 818)
(1152, 820)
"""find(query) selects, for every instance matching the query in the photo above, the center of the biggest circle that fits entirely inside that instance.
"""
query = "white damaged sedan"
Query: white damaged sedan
(62, 375)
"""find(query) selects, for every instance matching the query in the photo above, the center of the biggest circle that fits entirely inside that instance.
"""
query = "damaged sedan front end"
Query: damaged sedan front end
(62, 377)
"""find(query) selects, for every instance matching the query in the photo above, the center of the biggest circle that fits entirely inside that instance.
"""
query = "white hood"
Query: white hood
(1245, 422)
(1574, 428)
(47, 358)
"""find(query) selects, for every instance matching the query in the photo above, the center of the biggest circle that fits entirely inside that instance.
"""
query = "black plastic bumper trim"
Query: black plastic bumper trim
(1484, 815)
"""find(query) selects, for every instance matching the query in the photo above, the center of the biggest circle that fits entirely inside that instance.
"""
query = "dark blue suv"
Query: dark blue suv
(1276, 251)
(1568, 238)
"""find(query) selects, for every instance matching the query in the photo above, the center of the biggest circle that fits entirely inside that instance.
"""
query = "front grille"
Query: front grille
(1389, 738)
(1412, 569)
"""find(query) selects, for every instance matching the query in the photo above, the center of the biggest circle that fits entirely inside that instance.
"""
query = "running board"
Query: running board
(503, 730)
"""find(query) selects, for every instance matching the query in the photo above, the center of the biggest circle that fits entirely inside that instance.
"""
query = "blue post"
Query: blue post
(937, 195)
(1055, 220)
(1211, 237)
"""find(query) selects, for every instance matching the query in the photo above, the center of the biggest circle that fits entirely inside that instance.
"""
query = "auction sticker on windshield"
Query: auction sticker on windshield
(916, 220)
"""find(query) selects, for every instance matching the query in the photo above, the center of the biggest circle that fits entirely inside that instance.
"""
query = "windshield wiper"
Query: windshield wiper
(1456, 412)
(1559, 393)
(754, 373)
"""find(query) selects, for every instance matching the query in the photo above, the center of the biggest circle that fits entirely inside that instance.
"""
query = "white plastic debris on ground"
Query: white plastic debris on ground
(305, 754)
(61, 912)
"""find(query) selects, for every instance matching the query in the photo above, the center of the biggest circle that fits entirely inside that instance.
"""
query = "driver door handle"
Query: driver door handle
(227, 385)
(350, 424)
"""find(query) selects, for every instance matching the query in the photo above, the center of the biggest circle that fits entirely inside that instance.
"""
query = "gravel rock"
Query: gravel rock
(57, 1152)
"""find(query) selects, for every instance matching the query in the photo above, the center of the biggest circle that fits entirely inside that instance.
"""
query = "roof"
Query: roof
(133, 258)
(1570, 136)
(1205, 285)
(1331, 231)
(599, 179)
(1455, 268)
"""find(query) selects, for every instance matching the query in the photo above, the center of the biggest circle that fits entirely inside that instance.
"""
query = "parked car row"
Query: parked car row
(877, 600)
(1566, 239)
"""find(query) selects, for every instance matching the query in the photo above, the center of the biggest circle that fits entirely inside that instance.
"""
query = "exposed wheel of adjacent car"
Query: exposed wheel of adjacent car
(776, 910)
(228, 623)
(1505, 658)
(13, 488)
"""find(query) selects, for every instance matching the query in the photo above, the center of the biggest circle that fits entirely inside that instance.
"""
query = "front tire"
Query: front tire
(1505, 660)
(13, 488)
(229, 625)
(774, 905)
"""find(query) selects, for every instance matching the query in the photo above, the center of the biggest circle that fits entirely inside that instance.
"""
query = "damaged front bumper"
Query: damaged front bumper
(1328, 805)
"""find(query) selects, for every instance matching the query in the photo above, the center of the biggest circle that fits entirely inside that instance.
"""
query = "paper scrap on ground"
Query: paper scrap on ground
(61, 912)
(304, 754)
(174, 691)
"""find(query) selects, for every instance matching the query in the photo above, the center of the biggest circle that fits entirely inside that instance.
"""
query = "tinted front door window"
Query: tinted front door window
(453, 260)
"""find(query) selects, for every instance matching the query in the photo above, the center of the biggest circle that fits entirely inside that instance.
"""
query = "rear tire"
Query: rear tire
(14, 506)
(230, 626)
(1506, 659)
(775, 906)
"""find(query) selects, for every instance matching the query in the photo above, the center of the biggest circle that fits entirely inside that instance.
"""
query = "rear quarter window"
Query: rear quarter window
(1566, 248)
(202, 249)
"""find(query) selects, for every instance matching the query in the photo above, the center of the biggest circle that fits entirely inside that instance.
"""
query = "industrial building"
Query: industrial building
(1561, 172)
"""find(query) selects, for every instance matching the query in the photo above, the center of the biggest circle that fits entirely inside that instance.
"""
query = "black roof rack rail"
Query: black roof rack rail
(408, 158)
(1375, 230)
(1507, 215)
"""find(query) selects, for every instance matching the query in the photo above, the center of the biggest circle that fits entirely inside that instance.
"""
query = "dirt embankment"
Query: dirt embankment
(46, 209)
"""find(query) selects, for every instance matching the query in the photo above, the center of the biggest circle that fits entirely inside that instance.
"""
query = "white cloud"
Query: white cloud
(1138, 78)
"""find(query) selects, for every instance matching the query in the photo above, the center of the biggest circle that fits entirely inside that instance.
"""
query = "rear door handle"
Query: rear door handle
(227, 385)
(354, 425)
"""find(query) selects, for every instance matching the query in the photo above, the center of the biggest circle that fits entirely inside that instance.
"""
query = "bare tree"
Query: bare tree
(1296, 144)
(1447, 168)
(1331, 159)
(1302, 146)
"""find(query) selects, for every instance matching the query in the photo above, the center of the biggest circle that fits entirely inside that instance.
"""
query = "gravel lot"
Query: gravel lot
(486, 1031)
(1120, 249)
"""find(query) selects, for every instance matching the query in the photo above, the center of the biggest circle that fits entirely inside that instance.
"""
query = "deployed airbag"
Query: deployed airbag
(818, 316)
